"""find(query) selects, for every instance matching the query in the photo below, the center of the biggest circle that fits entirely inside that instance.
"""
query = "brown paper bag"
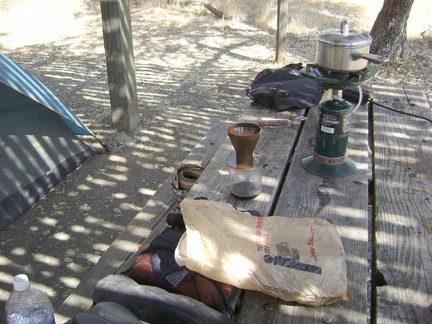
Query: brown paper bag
(295, 259)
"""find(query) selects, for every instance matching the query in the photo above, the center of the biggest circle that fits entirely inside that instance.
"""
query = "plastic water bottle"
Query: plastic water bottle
(27, 304)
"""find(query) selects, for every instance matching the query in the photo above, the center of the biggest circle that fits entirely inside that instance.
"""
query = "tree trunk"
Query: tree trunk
(389, 31)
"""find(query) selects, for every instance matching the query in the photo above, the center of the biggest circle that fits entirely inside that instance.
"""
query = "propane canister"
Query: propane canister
(330, 158)
(333, 128)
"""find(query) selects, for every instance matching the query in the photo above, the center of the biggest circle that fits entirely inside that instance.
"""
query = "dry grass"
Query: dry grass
(26, 22)
(306, 17)
(66, 22)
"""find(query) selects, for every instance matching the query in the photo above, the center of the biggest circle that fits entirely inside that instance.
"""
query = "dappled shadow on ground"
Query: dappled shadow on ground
(188, 78)
(191, 71)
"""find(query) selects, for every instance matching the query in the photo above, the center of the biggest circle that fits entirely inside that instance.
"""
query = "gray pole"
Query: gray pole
(282, 30)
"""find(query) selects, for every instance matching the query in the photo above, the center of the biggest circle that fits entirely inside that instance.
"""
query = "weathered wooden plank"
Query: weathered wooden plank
(213, 182)
(143, 228)
(403, 205)
(343, 202)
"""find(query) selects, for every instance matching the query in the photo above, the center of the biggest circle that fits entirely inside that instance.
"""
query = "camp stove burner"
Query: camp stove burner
(338, 75)
(330, 158)
(336, 79)
(342, 62)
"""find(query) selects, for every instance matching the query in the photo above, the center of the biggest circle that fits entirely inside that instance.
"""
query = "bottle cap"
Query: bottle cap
(21, 282)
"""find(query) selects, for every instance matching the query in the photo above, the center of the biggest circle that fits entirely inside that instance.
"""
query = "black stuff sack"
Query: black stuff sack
(156, 265)
(285, 88)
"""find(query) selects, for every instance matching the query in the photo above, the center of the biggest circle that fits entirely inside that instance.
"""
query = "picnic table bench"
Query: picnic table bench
(383, 212)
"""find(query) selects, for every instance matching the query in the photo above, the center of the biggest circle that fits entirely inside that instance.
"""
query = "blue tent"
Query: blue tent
(38, 142)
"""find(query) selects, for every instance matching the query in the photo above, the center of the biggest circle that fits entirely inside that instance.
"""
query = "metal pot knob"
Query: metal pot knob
(344, 28)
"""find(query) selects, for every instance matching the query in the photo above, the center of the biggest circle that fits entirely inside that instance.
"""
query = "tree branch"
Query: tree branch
(214, 11)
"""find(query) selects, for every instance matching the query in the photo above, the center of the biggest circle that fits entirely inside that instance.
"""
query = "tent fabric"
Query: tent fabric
(38, 141)
(15, 77)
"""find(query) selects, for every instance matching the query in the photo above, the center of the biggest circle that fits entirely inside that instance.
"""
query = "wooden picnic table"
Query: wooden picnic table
(383, 212)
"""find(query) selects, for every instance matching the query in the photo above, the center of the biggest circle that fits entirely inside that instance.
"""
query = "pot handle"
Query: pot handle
(370, 57)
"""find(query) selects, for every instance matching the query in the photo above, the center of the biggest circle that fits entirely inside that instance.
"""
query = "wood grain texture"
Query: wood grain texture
(142, 229)
(343, 202)
(276, 145)
(117, 34)
(401, 204)
(403, 211)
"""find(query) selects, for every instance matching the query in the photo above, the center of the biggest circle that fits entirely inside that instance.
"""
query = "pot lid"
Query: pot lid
(344, 36)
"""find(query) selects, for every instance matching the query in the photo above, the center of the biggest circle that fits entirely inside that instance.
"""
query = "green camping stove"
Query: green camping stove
(330, 157)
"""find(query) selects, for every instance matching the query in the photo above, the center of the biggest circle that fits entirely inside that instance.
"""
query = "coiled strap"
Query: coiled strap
(186, 176)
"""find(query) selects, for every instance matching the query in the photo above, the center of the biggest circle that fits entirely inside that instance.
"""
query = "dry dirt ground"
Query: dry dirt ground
(191, 70)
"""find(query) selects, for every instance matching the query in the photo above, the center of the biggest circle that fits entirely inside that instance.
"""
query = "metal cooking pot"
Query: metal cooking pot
(345, 50)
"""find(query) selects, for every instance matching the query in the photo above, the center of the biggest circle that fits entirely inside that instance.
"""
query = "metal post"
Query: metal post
(282, 30)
